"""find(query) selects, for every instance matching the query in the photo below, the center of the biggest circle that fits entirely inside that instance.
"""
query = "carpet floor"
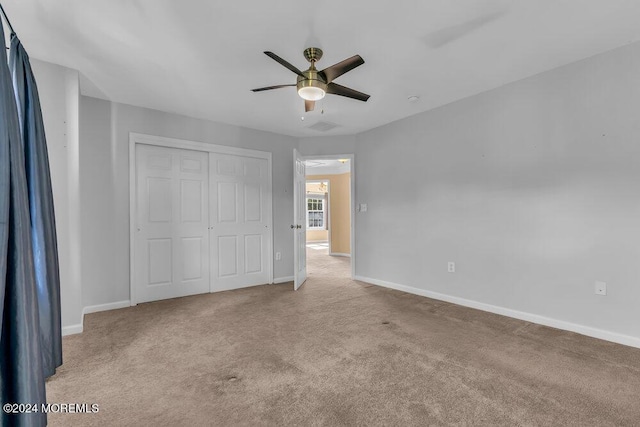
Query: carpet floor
(337, 352)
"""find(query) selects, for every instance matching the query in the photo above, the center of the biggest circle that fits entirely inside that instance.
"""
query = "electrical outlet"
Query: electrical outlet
(451, 267)
(278, 256)
(363, 207)
(601, 288)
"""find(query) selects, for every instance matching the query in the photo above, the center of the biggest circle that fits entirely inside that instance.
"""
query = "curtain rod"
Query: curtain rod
(7, 19)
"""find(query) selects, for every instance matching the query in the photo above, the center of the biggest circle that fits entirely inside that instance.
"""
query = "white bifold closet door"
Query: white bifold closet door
(239, 218)
(172, 229)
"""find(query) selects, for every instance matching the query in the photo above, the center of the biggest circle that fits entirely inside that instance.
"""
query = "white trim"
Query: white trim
(352, 214)
(338, 169)
(162, 141)
(340, 254)
(77, 329)
(139, 138)
(235, 287)
(132, 215)
(106, 307)
(72, 330)
(521, 315)
(283, 280)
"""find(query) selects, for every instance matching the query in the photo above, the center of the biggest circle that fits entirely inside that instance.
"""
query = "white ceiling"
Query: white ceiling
(326, 166)
(201, 58)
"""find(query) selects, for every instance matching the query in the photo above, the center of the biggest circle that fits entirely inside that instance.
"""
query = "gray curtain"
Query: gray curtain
(21, 368)
(43, 222)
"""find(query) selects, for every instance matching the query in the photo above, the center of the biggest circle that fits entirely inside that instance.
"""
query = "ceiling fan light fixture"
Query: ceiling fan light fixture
(313, 84)
(311, 87)
(311, 93)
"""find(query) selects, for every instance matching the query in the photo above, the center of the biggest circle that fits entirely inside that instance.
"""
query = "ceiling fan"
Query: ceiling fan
(312, 84)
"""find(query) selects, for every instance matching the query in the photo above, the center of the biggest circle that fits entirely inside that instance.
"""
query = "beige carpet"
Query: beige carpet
(337, 352)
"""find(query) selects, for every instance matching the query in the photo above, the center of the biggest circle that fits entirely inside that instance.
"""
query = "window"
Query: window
(316, 212)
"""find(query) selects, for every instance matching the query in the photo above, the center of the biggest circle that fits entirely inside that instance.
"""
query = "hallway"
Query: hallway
(321, 264)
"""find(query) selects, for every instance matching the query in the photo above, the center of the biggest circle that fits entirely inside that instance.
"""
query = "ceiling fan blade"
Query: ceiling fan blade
(260, 89)
(337, 89)
(309, 105)
(283, 63)
(336, 70)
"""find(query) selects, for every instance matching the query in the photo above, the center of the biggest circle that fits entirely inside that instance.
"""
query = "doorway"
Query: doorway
(329, 216)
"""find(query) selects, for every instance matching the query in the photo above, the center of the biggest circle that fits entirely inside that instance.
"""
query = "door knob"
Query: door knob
(293, 226)
(298, 226)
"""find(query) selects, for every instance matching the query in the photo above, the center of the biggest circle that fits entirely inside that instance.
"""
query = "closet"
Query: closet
(201, 220)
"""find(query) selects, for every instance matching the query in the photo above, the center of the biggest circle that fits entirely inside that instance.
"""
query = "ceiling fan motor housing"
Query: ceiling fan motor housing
(312, 54)
(311, 79)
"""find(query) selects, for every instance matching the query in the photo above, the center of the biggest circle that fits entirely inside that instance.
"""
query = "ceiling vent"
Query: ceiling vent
(323, 126)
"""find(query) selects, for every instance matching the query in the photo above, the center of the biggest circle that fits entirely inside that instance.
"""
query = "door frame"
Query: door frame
(352, 195)
(161, 141)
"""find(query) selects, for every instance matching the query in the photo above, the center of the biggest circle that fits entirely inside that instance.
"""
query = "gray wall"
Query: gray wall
(345, 144)
(88, 142)
(532, 189)
(59, 97)
(104, 159)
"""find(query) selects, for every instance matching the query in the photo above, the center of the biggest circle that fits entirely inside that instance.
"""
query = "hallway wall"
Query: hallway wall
(339, 211)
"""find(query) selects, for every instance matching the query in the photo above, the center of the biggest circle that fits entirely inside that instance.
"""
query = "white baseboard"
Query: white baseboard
(521, 315)
(283, 280)
(340, 254)
(105, 307)
(72, 329)
(77, 329)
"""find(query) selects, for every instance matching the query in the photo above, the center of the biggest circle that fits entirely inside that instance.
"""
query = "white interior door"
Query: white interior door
(171, 230)
(299, 225)
(240, 214)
